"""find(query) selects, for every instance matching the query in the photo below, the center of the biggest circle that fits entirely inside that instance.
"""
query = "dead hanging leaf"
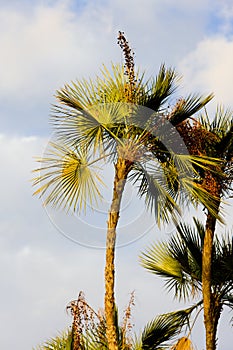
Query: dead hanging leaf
(183, 343)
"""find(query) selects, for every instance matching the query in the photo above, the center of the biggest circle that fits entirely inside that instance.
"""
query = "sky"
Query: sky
(47, 257)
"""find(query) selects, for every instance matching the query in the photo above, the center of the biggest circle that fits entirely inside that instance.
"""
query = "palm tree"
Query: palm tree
(103, 120)
(179, 262)
(88, 331)
(160, 333)
(214, 139)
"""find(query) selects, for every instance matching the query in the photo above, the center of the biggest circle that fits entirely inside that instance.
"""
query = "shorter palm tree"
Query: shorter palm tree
(88, 331)
(179, 262)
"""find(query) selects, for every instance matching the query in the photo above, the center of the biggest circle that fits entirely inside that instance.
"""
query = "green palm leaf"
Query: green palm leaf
(187, 107)
(221, 123)
(159, 193)
(222, 128)
(179, 262)
(159, 333)
(95, 127)
(62, 341)
(159, 90)
(70, 179)
(159, 260)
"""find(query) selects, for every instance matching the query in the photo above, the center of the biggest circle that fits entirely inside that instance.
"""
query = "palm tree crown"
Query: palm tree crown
(95, 121)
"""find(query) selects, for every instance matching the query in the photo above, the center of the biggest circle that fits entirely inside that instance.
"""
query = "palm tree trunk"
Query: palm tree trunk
(208, 301)
(211, 314)
(122, 169)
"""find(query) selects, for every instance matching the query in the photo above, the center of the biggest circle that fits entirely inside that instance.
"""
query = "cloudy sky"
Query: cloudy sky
(46, 258)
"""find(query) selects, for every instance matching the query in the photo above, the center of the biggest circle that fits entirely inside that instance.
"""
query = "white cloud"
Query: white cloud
(51, 45)
(42, 49)
(209, 69)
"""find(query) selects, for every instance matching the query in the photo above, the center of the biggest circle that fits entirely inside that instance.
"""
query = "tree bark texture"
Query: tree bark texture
(211, 302)
(212, 184)
(208, 301)
(122, 169)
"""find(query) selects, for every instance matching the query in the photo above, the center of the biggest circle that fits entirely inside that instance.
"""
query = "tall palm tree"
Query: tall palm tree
(104, 120)
(179, 262)
(214, 139)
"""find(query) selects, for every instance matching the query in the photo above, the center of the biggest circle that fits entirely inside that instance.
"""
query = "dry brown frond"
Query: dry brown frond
(183, 343)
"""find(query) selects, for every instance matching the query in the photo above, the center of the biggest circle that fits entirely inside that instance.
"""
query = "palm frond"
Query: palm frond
(183, 343)
(187, 107)
(197, 194)
(186, 248)
(228, 300)
(159, 90)
(200, 230)
(62, 341)
(159, 333)
(112, 86)
(95, 127)
(222, 127)
(159, 260)
(178, 261)
(67, 179)
(157, 190)
(221, 123)
(193, 243)
(93, 111)
(222, 264)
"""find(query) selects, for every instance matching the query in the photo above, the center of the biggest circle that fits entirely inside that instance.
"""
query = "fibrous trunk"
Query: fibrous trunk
(122, 168)
(208, 301)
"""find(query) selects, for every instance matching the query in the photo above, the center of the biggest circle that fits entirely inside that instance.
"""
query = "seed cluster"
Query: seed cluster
(83, 320)
(129, 65)
(201, 142)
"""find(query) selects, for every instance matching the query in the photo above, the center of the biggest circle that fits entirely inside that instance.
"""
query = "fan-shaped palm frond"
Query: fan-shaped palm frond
(69, 175)
(62, 341)
(159, 194)
(179, 262)
(188, 168)
(160, 332)
(222, 147)
(94, 127)
(222, 265)
(221, 123)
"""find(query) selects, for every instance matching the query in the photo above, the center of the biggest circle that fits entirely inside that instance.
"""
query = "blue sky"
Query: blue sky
(45, 44)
